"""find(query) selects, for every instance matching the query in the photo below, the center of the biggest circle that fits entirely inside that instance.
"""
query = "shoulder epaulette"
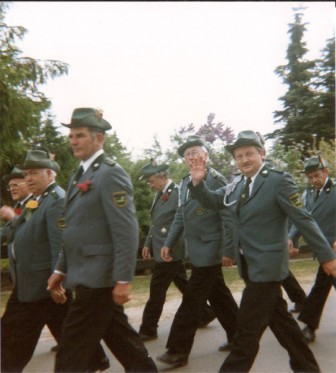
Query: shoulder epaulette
(214, 173)
(54, 194)
(277, 170)
(110, 161)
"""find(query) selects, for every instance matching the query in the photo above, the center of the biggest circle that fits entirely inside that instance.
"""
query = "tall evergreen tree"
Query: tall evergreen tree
(297, 115)
(324, 83)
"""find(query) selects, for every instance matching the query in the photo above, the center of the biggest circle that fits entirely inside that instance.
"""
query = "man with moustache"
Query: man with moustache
(261, 200)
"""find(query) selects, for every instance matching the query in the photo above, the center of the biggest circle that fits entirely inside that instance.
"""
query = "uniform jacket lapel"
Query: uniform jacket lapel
(158, 200)
(257, 185)
(258, 182)
(185, 198)
(322, 197)
(72, 190)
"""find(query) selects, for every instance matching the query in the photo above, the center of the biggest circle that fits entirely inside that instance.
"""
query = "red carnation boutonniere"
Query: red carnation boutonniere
(18, 211)
(84, 187)
(164, 197)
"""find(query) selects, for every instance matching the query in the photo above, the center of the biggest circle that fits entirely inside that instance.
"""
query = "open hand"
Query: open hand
(198, 170)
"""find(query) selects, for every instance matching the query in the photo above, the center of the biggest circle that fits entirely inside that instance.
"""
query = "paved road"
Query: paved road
(204, 356)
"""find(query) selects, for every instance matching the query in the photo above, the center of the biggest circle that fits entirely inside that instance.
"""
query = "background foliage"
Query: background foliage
(307, 117)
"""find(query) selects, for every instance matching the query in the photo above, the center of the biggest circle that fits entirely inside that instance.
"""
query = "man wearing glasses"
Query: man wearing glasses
(204, 231)
(19, 192)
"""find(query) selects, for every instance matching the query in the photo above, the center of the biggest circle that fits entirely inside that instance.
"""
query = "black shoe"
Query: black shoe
(226, 346)
(148, 337)
(103, 365)
(55, 348)
(174, 358)
(297, 308)
(309, 334)
(206, 321)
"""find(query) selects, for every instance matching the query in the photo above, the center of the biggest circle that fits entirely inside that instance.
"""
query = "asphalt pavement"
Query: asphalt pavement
(205, 357)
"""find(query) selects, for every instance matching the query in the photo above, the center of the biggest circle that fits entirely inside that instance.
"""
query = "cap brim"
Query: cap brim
(242, 142)
(190, 144)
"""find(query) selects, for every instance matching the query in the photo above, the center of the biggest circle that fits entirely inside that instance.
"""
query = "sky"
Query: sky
(155, 66)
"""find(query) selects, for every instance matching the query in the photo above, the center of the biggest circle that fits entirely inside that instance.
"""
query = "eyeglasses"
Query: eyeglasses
(192, 154)
(11, 186)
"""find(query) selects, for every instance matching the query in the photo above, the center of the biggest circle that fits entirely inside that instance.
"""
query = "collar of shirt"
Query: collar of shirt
(253, 178)
(24, 200)
(86, 164)
(166, 186)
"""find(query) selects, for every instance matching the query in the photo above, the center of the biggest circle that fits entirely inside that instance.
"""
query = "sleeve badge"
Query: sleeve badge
(120, 199)
(295, 200)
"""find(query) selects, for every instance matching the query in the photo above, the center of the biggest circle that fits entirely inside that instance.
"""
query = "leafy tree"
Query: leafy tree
(289, 159)
(143, 198)
(22, 104)
(297, 102)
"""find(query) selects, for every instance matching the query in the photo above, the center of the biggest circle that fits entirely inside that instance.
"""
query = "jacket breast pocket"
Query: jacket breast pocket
(90, 250)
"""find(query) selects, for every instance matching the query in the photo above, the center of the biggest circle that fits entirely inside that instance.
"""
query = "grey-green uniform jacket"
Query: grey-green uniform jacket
(100, 237)
(260, 229)
(203, 227)
(323, 211)
(34, 248)
(162, 216)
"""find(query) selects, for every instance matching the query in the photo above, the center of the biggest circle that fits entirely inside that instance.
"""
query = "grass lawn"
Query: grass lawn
(304, 270)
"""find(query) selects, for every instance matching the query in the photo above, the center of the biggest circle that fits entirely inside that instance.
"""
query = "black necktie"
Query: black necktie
(246, 191)
(79, 173)
(317, 194)
(77, 176)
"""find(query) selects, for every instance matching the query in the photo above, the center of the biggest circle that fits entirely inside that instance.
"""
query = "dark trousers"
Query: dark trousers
(262, 305)
(205, 283)
(293, 289)
(314, 304)
(21, 327)
(163, 275)
(94, 316)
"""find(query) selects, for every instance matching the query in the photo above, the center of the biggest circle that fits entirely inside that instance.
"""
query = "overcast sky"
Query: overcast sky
(154, 66)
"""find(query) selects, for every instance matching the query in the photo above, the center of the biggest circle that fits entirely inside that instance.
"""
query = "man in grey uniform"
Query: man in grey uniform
(261, 200)
(204, 233)
(34, 239)
(100, 242)
(320, 201)
(162, 213)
